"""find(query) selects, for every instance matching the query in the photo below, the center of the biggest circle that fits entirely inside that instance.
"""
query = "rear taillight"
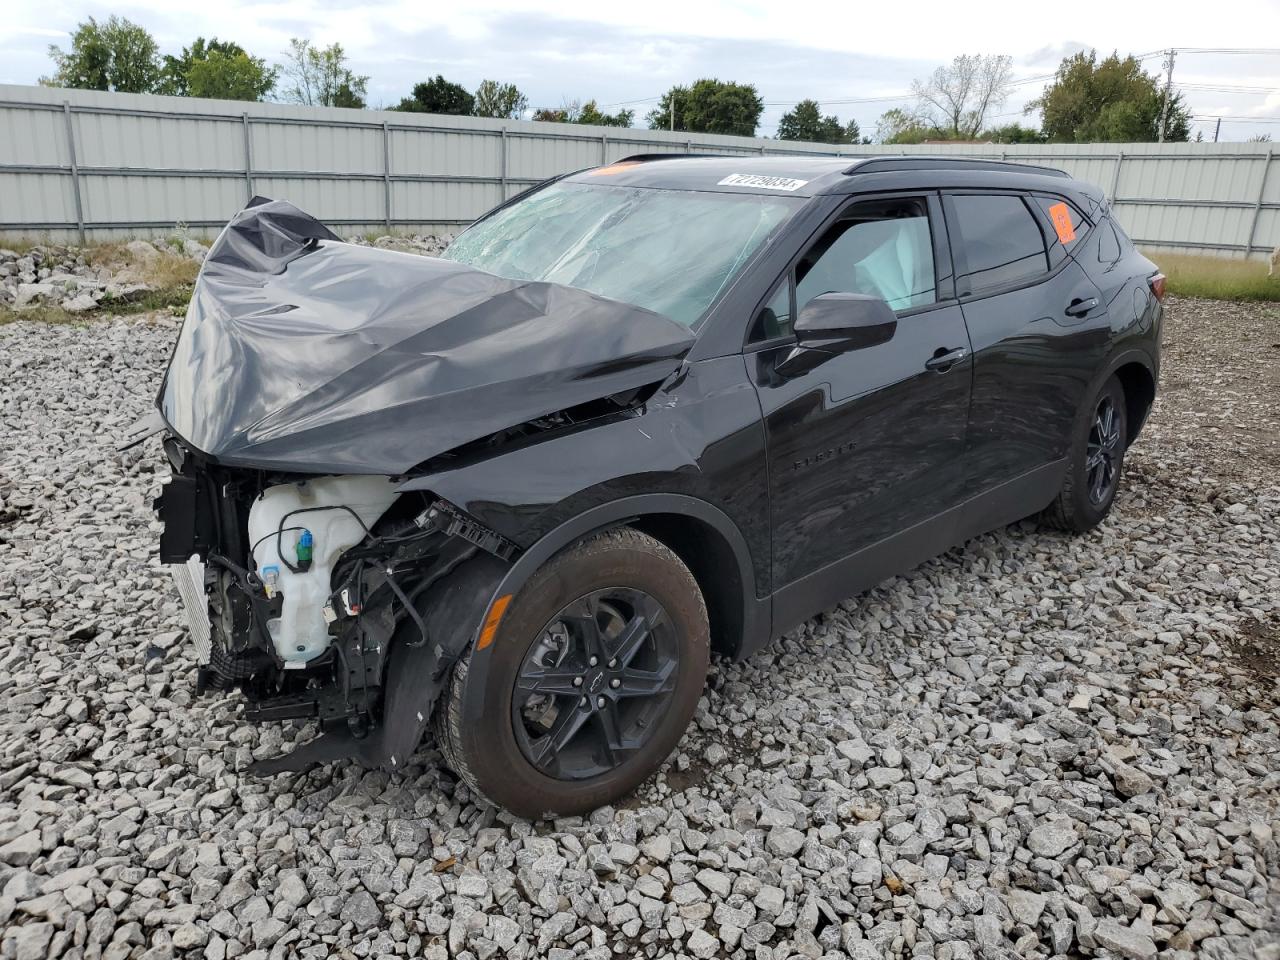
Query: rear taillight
(1157, 286)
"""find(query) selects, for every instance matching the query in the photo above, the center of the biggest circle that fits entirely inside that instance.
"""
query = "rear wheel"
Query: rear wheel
(1096, 462)
(594, 675)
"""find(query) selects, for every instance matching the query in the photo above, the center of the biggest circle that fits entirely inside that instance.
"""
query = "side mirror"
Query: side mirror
(835, 323)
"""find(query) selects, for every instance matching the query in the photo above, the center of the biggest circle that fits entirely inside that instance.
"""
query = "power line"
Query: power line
(1263, 51)
(1226, 88)
(1240, 119)
(842, 101)
(624, 103)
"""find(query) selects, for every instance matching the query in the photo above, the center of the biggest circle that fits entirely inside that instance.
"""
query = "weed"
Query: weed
(1217, 278)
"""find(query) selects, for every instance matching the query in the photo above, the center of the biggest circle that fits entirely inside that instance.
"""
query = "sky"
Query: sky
(627, 54)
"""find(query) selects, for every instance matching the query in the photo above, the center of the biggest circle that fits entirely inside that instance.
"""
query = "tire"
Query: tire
(614, 578)
(1084, 502)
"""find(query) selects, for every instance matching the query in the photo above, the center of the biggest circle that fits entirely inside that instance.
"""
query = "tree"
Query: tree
(1108, 101)
(805, 122)
(593, 115)
(900, 125)
(218, 69)
(320, 77)
(573, 111)
(501, 100)
(116, 55)
(1012, 133)
(710, 106)
(956, 99)
(552, 115)
(439, 95)
(238, 77)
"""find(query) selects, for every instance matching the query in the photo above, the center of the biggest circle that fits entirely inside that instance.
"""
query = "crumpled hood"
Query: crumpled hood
(304, 353)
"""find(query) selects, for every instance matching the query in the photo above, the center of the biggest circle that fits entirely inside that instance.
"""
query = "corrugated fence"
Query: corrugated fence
(79, 164)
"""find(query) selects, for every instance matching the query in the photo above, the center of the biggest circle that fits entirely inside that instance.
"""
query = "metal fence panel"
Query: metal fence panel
(41, 199)
(31, 136)
(92, 165)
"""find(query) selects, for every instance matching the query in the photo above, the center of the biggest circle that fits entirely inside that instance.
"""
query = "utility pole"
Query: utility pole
(1168, 90)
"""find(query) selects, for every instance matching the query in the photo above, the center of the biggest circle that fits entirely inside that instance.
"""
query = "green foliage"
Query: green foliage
(1012, 133)
(710, 106)
(218, 69)
(239, 77)
(593, 115)
(320, 77)
(439, 95)
(897, 125)
(587, 113)
(502, 100)
(1190, 275)
(116, 55)
(173, 79)
(1108, 101)
(552, 114)
(806, 122)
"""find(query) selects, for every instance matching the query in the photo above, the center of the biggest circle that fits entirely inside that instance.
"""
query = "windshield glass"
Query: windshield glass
(670, 251)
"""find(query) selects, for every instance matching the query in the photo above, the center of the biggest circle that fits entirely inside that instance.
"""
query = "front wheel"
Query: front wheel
(1096, 462)
(593, 677)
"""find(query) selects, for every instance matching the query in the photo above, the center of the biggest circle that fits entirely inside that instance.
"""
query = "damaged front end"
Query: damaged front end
(298, 590)
(311, 380)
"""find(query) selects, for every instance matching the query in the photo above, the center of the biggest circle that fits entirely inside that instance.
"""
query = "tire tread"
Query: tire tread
(1064, 512)
(448, 714)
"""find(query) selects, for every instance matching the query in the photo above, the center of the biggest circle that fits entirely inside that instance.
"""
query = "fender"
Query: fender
(415, 676)
(1124, 356)
(756, 612)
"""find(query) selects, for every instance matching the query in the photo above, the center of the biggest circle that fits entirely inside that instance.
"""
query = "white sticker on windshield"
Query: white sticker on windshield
(764, 183)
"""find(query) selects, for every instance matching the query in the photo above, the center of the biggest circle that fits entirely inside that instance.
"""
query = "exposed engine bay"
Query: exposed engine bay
(310, 584)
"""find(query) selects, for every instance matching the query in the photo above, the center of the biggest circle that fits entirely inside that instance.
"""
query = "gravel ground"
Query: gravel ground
(1034, 746)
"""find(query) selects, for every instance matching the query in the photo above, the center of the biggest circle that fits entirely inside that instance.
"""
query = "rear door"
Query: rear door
(1038, 327)
(871, 441)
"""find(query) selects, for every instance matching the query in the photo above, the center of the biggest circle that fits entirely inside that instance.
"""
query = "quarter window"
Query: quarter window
(882, 248)
(1000, 239)
(775, 316)
(1108, 244)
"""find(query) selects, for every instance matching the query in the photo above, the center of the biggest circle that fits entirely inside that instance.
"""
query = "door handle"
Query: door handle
(1081, 306)
(944, 359)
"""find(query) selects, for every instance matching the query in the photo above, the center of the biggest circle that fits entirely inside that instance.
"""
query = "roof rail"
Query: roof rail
(884, 164)
(646, 157)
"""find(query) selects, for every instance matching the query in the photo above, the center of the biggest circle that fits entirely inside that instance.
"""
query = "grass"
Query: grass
(170, 278)
(1217, 278)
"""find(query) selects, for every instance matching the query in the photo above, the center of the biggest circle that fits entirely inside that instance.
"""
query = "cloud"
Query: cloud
(579, 49)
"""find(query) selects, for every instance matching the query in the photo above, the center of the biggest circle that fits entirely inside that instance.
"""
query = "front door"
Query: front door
(869, 442)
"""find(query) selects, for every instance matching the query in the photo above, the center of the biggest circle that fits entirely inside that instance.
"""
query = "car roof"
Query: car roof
(802, 176)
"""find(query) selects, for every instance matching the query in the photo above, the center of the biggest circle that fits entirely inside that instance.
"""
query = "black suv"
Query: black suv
(635, 415)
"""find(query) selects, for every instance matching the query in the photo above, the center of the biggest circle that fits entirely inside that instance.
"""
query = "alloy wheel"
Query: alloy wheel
(1102, 454)
(593, 685)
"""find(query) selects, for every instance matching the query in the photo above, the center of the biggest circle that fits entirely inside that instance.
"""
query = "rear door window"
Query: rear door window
(1067, 224)
(1000, 241)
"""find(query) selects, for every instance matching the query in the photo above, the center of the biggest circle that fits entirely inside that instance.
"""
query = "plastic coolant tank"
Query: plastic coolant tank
(302, 633)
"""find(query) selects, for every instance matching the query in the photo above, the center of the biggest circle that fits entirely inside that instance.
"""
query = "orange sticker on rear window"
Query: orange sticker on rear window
(1061, 215)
